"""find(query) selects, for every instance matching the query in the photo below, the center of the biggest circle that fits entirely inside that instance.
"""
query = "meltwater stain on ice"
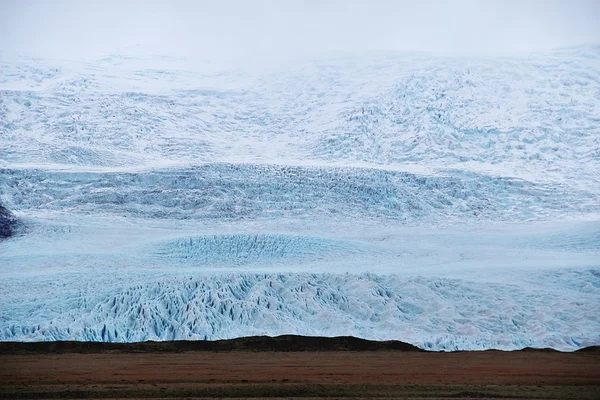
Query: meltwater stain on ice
(242, 249)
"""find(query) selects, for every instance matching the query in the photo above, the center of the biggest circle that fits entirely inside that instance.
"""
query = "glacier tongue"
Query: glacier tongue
(433, 313)
(449, 202)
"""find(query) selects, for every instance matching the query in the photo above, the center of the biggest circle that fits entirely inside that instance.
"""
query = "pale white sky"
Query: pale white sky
(234, 29)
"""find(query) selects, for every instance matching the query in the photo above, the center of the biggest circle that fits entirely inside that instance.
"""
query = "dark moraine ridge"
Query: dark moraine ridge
(253, 343)
(8, 223)
(285, 343)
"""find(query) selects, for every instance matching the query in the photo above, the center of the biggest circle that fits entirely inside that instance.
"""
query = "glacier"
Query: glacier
(449, 202)
(434, 313)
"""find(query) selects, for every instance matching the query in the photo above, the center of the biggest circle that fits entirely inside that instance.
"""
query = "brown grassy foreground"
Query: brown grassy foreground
(261, 367)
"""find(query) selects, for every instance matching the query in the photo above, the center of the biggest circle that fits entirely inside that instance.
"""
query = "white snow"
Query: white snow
(453, 203)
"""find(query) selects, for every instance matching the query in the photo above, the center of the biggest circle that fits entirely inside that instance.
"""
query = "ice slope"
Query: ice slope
(453, 203)
(456, 287)
(235, 191)
(531, 116)
(433, 313)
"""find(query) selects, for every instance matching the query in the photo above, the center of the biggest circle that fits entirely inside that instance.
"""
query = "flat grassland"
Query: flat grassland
(171, 371)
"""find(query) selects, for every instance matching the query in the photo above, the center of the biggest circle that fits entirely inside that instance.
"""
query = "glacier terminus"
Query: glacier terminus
(449, 202)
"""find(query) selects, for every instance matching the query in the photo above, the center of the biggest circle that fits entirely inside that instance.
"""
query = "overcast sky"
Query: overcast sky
(222, 29)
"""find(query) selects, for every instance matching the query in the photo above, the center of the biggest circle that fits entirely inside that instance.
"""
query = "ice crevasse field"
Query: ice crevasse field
(452, 203)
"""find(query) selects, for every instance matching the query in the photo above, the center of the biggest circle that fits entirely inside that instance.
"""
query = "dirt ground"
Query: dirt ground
(394, 374)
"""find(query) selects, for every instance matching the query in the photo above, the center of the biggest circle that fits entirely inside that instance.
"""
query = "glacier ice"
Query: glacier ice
(240, 249)
(234, 191)
(433, 313)
(449, 202)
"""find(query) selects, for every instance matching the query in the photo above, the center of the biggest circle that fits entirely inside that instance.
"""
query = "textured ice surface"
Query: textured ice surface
(452, 203)
(240, 249)
(231, 191)
(532, 115)
(433, 313)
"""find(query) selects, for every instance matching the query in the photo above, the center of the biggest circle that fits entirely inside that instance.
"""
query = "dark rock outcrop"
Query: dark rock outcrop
(8, 223)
